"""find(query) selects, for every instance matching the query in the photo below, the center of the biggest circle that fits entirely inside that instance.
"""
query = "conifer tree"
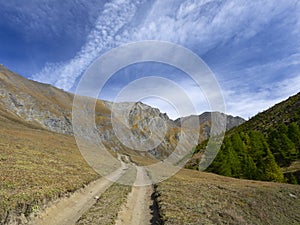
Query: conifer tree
(294, 136)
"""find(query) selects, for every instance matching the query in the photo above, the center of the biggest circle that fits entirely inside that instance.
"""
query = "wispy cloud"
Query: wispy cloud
(115, 16)
(250, 102)
(258, 75)
(204, 24)
(260, 43)
(208, 23)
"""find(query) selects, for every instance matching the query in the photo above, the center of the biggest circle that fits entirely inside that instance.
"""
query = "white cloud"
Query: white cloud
(254, 89)
(208, 22)
(249, 103)
(205, 23)
(258, 75)
(115, 15)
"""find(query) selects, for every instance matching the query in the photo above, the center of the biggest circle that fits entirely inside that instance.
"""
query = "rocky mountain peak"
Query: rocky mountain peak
(51, 108)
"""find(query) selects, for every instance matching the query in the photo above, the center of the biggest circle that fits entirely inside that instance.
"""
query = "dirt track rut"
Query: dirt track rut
(136, 211)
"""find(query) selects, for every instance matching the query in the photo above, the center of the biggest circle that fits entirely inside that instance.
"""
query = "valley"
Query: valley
(45, 179)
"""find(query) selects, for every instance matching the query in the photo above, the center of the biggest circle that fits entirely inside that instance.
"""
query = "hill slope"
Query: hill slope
(193, 197)
(37, 166)
(285, 112)
(259, 147)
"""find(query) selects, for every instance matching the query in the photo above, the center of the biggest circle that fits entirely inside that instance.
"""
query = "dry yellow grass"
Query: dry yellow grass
(193, 197)
(37, 166)
(106, 210)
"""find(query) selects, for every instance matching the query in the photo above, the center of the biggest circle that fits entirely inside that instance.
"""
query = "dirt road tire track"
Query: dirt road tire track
(68, 210)
(137, 210)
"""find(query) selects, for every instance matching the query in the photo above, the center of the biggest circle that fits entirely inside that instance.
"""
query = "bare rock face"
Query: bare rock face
(29, 109)
(141, 127)
(35, 103)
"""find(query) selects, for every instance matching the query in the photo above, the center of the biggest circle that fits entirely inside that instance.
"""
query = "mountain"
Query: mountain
(205, 122)
(47, 107)
(37, 165)
(266, 147)
(231, 121)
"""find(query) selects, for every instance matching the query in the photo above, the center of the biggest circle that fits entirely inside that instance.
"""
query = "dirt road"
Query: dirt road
(68, 210)
(136, 211)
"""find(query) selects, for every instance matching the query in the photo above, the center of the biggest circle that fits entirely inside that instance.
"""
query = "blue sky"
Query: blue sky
(253, 47)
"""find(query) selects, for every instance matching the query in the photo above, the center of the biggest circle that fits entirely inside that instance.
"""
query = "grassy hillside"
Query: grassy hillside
(36, 166)
(285, 112)
(193, 197)
(260, 147)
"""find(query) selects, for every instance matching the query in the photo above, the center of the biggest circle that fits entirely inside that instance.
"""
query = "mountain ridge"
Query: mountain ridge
(42, 105)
